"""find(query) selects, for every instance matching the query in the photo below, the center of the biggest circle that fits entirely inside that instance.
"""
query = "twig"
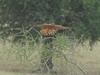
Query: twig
(71, 62)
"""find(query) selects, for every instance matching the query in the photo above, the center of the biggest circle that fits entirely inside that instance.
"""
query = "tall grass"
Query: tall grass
(29, 52)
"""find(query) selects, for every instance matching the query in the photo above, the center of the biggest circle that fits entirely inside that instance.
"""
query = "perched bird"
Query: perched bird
(49, 30)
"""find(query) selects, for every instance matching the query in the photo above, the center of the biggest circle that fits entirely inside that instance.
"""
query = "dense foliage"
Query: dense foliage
(81, 15)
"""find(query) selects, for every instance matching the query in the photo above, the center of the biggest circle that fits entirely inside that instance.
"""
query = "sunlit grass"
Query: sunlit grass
(25, 58)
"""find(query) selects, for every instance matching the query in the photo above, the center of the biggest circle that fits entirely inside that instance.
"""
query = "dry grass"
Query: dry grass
(13, 64)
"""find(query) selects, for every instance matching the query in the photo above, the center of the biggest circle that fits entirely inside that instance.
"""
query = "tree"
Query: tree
(81, 15)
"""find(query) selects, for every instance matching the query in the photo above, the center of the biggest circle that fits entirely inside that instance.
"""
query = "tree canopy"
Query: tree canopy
(81, 15)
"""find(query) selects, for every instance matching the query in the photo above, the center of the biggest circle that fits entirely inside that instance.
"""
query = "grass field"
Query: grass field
(18, 60)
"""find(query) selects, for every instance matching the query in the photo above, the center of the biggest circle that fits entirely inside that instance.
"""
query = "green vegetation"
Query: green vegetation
(81, 15)
(20, 22)
(23, 59)
(28, 55)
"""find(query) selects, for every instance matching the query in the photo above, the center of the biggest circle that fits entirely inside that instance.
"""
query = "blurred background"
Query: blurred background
(21, 42)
